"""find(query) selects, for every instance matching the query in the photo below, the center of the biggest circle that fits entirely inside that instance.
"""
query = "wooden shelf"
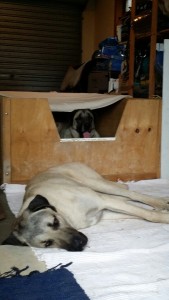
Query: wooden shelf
(143, 14)
(163, 32)
(151, 16)
(144, 31)
(142, 35)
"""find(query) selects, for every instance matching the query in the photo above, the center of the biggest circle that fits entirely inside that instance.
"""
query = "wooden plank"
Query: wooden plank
(107, 119)
(5, 140)
(153, 48)
(33, 137)
(132, 50)
(139, 133)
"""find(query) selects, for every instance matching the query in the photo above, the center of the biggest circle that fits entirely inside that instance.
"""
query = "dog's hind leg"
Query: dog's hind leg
(90, 178)
(125, 206)
(108, 187)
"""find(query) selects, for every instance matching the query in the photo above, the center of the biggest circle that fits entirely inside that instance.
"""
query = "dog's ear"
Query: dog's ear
(12, 240)
(38, 203)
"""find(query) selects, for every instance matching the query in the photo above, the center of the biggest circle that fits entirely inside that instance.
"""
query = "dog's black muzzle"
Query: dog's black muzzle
(78, 242)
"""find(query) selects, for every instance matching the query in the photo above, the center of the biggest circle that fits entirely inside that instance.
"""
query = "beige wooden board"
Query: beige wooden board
(5, 140)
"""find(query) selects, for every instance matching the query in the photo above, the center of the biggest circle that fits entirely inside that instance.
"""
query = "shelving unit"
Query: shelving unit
(135, 36)
(144, 30)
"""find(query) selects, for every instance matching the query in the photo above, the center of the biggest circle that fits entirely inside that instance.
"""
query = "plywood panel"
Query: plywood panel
(33, 136)
(5, 140)
(139, 133)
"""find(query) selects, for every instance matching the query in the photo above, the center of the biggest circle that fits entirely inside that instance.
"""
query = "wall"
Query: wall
(165, 114)
(88, 31)
(98, 24)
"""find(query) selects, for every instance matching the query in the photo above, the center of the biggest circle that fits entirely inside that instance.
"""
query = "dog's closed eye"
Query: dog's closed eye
(47, 243)
(55, 223)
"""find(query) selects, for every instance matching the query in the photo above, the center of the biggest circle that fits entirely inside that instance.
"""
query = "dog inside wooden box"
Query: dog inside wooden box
(88, 124)
(129, 131)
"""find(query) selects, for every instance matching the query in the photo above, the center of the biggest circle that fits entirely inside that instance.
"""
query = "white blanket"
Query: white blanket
(68, 102)
(126, 259)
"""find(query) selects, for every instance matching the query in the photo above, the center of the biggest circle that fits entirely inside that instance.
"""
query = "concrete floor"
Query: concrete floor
(6, 224)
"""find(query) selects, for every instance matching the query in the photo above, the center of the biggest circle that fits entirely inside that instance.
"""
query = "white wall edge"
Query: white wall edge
(165, 115)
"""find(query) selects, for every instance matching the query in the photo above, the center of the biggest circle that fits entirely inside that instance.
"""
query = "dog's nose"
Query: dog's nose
(78, 242)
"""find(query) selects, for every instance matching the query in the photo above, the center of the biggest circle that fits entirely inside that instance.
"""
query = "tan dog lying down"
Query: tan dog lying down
(70, 197)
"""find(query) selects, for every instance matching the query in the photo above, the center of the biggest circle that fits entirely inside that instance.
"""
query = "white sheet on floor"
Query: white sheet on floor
(126, 259)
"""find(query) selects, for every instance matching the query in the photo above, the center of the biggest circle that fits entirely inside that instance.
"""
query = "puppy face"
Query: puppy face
(83, 121)
(41, 226)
